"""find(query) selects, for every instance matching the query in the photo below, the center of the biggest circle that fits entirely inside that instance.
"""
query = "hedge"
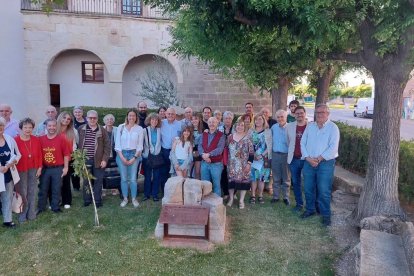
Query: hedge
(119, 113)
(353, 155)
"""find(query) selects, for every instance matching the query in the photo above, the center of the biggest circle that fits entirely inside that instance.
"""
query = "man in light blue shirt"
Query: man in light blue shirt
(170, 128)
(319, 147)
(281, 174)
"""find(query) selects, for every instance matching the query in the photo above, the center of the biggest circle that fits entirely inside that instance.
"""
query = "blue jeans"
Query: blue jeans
(212, 172)
(128, 173)
(6, 201)
(151, 174)
(165, 169)
(50, 178)
(321, 178)
(296, 167)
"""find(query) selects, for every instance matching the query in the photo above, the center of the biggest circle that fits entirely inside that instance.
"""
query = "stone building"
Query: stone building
(95, 53)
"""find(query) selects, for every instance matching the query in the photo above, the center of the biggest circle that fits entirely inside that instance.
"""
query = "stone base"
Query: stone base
(202, 245)
(382, 254)
(216, 234)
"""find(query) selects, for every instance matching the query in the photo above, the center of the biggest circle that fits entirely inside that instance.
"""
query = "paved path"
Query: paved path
(347, 116)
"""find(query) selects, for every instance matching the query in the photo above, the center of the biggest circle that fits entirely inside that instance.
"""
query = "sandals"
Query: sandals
(253, 200)
(241, 205)
(229, 203)
(261, 200)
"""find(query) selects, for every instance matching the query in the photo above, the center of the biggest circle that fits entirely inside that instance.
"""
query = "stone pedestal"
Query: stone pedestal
(190, 192)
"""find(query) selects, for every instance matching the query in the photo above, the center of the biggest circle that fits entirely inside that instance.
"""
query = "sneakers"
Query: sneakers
(297, 209)
(326, 221)
(135, 203)
(274, 200)
(286, 201)
(10, 224)
(307, 214)
(66, 206)
(124, 202)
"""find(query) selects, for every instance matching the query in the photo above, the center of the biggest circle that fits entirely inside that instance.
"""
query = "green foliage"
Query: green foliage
(301, 90)
(353, 155)
(119, 113)
(79, 164)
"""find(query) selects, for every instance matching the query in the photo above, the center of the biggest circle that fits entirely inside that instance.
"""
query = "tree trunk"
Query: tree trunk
(324, 81)
(280, 95)
(379, 196)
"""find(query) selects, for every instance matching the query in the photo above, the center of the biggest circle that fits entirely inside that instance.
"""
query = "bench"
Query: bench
(185, 215)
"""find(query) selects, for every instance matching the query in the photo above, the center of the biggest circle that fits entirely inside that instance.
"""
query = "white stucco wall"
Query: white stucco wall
(138, 68)
(12, 57)
(66, 71)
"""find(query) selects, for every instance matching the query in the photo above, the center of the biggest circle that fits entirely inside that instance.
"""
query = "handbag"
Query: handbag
(154, 161)
(17, 203)
(267, 162)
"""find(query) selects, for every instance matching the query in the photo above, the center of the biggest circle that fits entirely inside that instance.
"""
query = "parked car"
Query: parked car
(364, 108)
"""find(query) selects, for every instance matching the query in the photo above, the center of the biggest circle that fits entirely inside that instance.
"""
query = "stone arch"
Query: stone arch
(137, 70)
(65, 78)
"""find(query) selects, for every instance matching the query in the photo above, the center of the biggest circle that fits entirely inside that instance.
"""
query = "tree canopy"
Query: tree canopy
(264, 40)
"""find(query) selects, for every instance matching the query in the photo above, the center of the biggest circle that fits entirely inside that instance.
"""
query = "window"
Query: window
(132, 7)
(92, 71)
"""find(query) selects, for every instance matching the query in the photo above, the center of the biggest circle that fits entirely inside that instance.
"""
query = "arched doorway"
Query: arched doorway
(151, 78)
(78, 77)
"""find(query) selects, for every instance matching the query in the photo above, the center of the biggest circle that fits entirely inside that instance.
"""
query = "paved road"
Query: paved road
(347, 116)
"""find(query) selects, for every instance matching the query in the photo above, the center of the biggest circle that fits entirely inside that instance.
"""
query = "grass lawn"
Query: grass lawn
(264, 240)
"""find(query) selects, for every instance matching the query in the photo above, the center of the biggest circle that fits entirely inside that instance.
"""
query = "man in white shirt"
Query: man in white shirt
(319, 147)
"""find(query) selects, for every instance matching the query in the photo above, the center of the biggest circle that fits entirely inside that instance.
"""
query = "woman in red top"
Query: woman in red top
(29, 168)
(66, 129)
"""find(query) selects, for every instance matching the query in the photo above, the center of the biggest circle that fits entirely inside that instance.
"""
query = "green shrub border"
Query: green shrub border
(119, 113)
(353, 155)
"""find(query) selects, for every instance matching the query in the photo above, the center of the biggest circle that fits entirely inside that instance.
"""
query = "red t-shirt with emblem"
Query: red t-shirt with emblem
(53, 150)
(299, 132)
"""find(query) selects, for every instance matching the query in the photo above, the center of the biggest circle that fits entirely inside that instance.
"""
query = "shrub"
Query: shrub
(119, 113)
(353, 155)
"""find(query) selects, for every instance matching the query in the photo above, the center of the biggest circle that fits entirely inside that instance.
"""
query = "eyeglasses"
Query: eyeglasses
(50, 111)
(7, 111)
(93, 118)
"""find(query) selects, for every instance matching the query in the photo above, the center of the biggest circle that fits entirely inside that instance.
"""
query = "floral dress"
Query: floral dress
(240, 153)
(260, 149)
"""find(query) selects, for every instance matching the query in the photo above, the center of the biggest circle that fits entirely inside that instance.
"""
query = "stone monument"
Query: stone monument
(189, 193)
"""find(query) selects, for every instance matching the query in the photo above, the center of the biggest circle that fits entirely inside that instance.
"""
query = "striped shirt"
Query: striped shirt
(90, 140)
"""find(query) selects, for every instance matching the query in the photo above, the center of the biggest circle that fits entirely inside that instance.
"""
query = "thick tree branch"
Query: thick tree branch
(239, 15)
(349, 57)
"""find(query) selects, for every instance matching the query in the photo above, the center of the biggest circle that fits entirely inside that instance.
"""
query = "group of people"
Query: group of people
(205, 145)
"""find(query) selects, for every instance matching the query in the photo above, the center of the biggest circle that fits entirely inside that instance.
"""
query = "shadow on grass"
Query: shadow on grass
(264, 240)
